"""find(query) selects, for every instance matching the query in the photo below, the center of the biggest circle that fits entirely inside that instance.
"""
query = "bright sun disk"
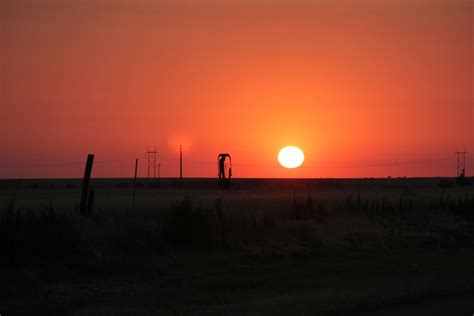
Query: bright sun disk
(291, 157)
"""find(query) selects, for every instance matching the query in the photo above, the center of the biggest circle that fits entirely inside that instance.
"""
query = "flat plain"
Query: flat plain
(262, 246)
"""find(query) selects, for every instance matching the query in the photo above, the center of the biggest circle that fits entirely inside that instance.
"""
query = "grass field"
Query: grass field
(276, 247)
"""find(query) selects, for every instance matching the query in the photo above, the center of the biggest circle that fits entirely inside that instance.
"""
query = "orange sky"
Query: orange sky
(358, 85)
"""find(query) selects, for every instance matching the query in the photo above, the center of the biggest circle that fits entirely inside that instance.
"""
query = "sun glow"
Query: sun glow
(291, 157)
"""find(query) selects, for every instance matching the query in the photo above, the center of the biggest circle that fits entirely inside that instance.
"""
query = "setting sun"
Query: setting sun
(291, 157)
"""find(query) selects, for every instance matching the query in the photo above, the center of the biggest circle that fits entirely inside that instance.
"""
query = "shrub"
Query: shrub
(38, 235)
(187, 226)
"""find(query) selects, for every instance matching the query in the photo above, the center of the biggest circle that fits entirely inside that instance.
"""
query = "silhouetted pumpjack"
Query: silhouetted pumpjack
(221, 159)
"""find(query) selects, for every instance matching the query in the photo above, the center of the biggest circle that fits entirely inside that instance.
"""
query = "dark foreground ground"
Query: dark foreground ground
(267, 247)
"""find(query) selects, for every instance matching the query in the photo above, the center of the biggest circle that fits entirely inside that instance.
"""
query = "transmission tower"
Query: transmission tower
(151, 156)
(461, 163)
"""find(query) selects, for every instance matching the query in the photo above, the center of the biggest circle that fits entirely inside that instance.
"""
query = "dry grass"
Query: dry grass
(238, 252)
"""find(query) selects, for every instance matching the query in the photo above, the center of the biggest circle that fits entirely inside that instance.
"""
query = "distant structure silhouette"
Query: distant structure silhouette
(151, 155)
(461, 168)
(461, 163)
(221, 165)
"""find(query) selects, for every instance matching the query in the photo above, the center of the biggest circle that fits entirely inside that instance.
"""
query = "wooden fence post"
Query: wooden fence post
(85, 184)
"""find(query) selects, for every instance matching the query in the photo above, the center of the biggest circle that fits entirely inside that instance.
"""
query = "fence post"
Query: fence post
(85, 184)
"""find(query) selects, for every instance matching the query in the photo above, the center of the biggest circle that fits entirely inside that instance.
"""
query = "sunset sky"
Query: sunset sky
(364, 88)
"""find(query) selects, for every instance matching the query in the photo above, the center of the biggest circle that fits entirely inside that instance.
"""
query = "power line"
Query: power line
(151, 156)
(357, 165)
(63, 163)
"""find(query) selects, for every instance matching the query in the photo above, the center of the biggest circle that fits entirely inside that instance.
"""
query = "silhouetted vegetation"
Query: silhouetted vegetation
(46, 234)
(189, 226)
(291, 238)
(37, 235)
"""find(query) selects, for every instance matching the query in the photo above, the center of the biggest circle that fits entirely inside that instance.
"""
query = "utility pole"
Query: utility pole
(181, 165)
(134, 184)
(151, 156)
(159, 167)
(154, 162)
(461, 163)
(148, 153)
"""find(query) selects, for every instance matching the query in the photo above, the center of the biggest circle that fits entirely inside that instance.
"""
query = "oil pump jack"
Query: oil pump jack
(224, 170)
